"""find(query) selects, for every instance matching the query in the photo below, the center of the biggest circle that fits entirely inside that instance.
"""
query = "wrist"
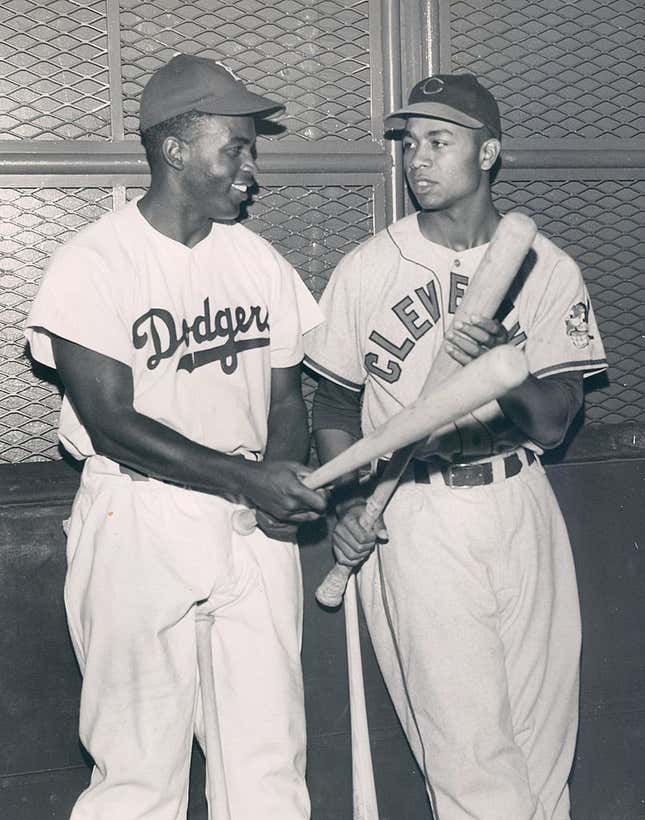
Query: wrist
(239, 475)
(345, 497)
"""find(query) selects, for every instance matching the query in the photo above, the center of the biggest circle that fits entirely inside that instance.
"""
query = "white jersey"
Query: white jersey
(200, 327)
(390, 301)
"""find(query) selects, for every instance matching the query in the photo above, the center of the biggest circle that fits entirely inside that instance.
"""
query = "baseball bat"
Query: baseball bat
(482, 380)
(218, 804)
(490, 282)
(365, 803)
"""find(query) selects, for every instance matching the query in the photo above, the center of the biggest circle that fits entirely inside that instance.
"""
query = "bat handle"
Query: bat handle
(332, 589)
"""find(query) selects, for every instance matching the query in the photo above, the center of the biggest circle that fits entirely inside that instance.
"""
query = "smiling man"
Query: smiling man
(177, 333)
(472, 604)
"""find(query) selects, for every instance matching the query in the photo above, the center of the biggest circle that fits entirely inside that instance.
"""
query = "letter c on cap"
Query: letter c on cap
(433, 85)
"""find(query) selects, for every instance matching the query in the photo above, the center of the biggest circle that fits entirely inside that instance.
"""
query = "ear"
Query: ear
(173, 150)
(488, 154)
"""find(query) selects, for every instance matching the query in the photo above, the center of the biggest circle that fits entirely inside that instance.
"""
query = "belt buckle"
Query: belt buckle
(468, 475)
(449, 475)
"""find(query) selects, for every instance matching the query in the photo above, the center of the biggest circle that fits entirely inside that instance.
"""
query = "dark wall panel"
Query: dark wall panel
(42, 766)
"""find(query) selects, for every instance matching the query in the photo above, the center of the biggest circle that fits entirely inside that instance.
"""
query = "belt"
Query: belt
(135, 475)
(475, 474)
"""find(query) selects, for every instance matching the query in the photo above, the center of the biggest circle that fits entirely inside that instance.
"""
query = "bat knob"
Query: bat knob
(243, 522)
(330, 592)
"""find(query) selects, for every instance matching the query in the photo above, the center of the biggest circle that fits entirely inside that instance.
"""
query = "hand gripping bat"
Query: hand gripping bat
(484, 379)
(490, 282)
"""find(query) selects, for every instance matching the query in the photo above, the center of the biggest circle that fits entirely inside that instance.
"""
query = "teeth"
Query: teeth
(239, 187)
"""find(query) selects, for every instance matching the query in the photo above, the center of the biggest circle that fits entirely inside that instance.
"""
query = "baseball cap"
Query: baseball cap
(457, 98)
(191, 83)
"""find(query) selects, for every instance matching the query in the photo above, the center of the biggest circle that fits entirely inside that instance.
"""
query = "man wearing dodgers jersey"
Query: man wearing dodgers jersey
(177, 334)
(472, 603)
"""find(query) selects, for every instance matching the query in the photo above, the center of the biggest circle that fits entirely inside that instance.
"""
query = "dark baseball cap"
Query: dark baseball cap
(191, 83)
(459, 98)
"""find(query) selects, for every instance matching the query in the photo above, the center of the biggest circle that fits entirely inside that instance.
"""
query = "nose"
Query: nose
(420, 159)
(249, 164)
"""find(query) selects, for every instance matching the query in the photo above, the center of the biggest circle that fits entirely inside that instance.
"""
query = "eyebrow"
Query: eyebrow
(242, 140)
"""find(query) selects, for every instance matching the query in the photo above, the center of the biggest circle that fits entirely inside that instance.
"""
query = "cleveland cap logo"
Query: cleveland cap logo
(433, 85)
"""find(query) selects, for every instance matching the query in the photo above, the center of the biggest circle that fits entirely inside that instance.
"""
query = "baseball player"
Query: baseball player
(472, 603)
(177, 334)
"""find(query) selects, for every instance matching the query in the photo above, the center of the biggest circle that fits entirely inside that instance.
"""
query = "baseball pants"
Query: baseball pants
(141, 554)
(479, 643)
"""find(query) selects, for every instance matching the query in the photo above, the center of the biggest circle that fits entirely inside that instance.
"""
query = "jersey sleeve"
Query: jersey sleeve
(293, 311)
(79, 300)
(563, 334)
(334, 349)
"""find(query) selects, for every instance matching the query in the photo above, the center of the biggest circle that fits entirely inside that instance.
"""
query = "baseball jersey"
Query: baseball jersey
(390, 301)
(200, 327)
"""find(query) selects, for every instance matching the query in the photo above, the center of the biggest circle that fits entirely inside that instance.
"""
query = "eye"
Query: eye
(439, 143)
(234, 150)
(408, 144)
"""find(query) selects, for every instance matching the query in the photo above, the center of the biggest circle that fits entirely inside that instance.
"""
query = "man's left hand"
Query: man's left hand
(466, 341)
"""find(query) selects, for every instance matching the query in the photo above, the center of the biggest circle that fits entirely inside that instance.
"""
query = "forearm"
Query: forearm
(287, 431)
(351, 542)
(544, 408)
(101, 391)
(159, 451)
(337, 425)
(347, 490)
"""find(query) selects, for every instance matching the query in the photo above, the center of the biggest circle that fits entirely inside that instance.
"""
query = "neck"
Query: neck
(164, 208)
(460, 228)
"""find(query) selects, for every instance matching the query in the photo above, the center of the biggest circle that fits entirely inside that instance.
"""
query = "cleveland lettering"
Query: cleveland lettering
(418, 313)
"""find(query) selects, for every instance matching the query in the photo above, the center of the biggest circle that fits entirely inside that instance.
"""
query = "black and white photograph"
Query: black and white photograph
(322, 410)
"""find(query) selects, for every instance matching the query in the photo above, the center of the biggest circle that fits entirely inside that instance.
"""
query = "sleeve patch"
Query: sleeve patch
(577, 325)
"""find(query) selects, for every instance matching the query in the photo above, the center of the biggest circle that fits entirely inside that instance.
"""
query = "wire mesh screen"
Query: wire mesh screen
(314, 228)
(600, 223)
(54, 82)
(313, 55)
(558, 69)
(35, 221)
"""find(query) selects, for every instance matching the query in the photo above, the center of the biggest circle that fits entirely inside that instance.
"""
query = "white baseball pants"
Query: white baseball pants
(481, 655)
(141, 554)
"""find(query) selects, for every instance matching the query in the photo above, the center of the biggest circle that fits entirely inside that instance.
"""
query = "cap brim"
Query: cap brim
(241, 103)
(396, 119)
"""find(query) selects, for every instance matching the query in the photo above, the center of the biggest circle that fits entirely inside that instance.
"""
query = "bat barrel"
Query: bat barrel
(483, 380)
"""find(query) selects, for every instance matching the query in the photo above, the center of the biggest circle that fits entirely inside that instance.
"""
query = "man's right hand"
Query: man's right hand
(352, 544)
(276, 487)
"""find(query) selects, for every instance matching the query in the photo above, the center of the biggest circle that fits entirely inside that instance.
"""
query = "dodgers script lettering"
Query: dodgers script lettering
(166, 335)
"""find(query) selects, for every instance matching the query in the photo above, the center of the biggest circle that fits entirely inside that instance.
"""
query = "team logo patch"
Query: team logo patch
(433, 85)
(577, 324)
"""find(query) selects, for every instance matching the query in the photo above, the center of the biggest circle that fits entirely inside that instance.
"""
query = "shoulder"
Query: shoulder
(549, 255)
(96, 258)
(403, 230)
(99, 240)
(381, 252)
(391, 242)
(546, 267)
